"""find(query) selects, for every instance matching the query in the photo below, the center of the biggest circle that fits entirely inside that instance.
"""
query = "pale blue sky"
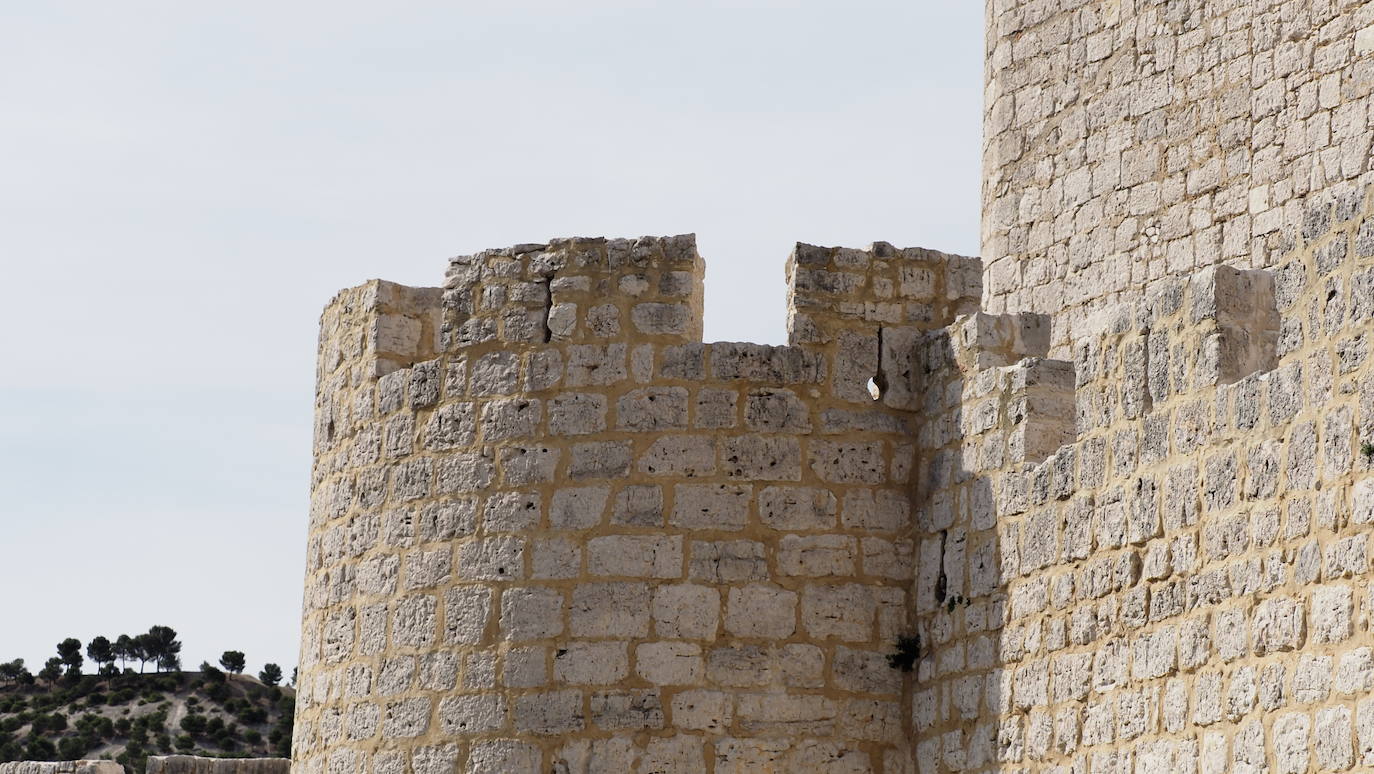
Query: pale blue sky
(185, 185)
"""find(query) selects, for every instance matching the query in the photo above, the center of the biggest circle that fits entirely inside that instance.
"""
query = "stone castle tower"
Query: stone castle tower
(1110, 489)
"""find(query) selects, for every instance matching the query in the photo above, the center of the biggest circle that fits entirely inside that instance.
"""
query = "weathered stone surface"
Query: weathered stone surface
(1113, 481)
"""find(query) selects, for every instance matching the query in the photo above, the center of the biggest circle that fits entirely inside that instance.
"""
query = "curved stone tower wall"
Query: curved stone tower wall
(552, 531)
(1125, 506)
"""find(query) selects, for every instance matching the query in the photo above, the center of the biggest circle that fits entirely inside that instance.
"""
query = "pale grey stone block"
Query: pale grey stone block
(495, 558)
(627, 710)
(413, 622)
(797, 508)
(711, 506)
(686, 611)
(653, 409)
(607, 459)
(578, 507)
(728, 561)
(550, 713)
(610, 610)
(669, 663)
(511, 512)
(531, 613)
(406, 718)
(507, 418)
(759, 610)
(761, 458)
(636, 556)
(683, 456)
(504, 756)
(639, 506)
(466, 612)
(472, 714)
(591, 663)
(577, 413)
(523, 465)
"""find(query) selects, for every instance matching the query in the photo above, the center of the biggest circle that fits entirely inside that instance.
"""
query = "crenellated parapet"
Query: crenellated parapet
(573, 537)
(552, 529)
(575, 290)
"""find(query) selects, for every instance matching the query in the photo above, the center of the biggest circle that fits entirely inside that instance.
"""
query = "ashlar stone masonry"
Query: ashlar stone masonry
(1119, 486)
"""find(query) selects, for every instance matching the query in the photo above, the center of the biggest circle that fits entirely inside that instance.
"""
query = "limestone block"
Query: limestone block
(591, 663)
(1330, 611)
(1312, 678)
(761, 458)
(880, 510)
(797, 508)
(686, 611)
(701, 710)
(653, 409)
(864, 671)
(466, 612)
(472, 714)
(1332, 735)
(610, 610)
(683, 456)
(531, 613)
(495, 558)
(766, 713)
(669, 663)
(511, 512)
(510, 418)
(636, 556)
(525, 668)
(776, 411)
(1355, 672)
(555, 558)
(843, 611)
(550, 713)
(639, 506)
(1279, 625)
(495, 373)
(522, 465)
(710, 506)
(817, 555)
(757, 610)
(727, 561)
(630, 710)
(594, 365)
(716, 409)
(848, 463)
(425, 569)
(413, 621)
(578, 507)
(661, 319)
(577, 413)
(406, 718)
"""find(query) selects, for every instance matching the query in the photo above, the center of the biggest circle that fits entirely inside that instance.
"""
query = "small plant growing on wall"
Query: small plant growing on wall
(1367, 449)
(908, 651)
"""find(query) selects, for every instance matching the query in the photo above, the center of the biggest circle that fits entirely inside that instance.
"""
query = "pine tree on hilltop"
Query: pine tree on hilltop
(123, 649)
(164, 648)
(101, 652)
(270, 674)
(233, 661)
(69, 651)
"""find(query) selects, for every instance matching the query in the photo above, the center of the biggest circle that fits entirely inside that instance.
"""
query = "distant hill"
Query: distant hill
(127, 717)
